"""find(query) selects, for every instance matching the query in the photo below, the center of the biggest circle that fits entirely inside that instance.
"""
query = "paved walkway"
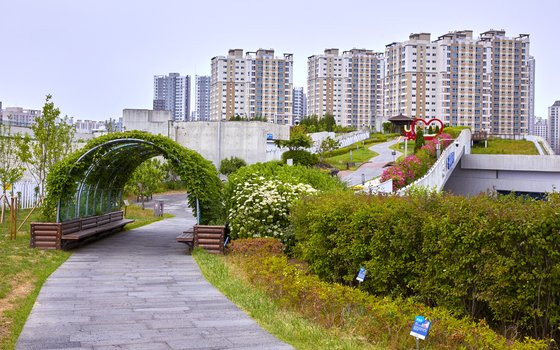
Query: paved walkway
(374, 167)
(139, 290)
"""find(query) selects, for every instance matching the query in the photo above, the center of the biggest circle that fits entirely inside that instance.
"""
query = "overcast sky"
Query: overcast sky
(98, 57)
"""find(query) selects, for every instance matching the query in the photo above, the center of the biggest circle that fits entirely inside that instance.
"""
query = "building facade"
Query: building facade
(482, 82)
(510, 82)
(299, 99)
(554, 127)
(347, 86)
(255, 85)
(202, 98)
(173, 93)
(89, 126)
(532, 121)
(540, 128)
(17, 116)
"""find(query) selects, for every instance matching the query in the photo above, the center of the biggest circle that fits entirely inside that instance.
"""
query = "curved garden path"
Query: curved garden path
(374, 167)
(139, 290)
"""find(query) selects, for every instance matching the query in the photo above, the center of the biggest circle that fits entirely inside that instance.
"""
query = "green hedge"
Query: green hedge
(374, 139)
(301, 157)
(382, 322)
(496, 259)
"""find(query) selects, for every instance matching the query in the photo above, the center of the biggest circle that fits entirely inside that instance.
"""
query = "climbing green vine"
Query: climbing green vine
(198, 174)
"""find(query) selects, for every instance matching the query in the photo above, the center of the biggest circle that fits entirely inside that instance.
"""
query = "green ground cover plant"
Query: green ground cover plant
(376, 321)
(359, 156)
(289, 326)
(499, 146)
(492, 259)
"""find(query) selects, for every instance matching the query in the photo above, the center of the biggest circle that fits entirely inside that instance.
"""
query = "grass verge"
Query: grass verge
(499, 146)
(359, 157)
(23, 271)
(142, 216)
(286, 325)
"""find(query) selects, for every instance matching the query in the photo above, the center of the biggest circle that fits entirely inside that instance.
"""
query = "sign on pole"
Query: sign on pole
(420, 328)
(361, 274)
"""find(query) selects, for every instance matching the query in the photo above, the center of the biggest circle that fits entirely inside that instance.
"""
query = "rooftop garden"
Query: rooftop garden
(501, 146)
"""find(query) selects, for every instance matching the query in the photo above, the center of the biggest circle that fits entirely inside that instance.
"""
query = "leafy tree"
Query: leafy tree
(299, 140)
(328, 145)
(146, 179)
(230, 165)
(329, 122)
(387, 126)
(11, 169)
(419, 142)
(111, 125)
(51, 143)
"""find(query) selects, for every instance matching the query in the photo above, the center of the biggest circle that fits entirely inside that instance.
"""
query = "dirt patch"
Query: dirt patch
(21, 286)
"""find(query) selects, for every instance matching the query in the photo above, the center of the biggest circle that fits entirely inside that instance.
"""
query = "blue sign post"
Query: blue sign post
(450, 160)
(269, 136)
(361, 274)
(420, 329)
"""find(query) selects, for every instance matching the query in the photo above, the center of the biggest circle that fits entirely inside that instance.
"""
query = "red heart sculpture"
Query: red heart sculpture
(411, 135)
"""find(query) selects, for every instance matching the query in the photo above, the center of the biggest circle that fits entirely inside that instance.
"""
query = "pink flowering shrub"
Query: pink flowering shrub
(407, 170)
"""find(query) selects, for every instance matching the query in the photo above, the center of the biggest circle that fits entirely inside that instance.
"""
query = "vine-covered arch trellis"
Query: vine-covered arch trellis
(90, 181)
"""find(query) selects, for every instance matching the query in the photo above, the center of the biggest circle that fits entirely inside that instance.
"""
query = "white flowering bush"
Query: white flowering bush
(260, 207)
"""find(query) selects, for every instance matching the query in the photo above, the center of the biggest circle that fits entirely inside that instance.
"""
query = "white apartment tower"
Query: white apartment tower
(531, 121)
(483, 83)
(410, 85)
(299, 104)
(554, 126)
(540, 128)
(202, 97)
(253, 85)
(464, 80)
(173, 93)
(347, 86)
(510, 82)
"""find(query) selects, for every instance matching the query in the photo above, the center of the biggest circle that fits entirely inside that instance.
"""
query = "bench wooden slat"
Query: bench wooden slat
(95, 230)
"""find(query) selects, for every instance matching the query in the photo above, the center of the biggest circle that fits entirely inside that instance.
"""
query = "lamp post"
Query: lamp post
(363, 179)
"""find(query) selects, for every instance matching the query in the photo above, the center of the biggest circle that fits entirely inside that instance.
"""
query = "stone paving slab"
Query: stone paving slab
(138, 290)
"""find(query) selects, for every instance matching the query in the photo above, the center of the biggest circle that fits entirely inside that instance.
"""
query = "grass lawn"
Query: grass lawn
(288, 326)
(24, 270)
(142, 216)
(499, 146)
(400, 147)
(359, 157)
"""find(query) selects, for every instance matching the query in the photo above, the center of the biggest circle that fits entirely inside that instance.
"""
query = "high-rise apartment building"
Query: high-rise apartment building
(347, 86)
(510, 82)
(554, 126)
(253, 85)
(483, 83)
(173, 93)
(411, 77)
(202, 97)
(540, 128)
(299, 104)
(531, 121)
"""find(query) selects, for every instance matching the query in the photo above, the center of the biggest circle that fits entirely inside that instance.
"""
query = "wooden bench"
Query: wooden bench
(210, 238)
(59, 235)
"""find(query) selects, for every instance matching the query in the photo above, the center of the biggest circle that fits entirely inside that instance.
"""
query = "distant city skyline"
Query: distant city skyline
(94, 71)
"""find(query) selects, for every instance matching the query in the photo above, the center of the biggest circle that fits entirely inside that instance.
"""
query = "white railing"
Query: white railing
(542, 145)
(353, 137)
(439, 173)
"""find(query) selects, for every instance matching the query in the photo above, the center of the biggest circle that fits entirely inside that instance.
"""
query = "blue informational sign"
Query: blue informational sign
(420, 328)
(269, 136)
(361, 274)
(450, 160)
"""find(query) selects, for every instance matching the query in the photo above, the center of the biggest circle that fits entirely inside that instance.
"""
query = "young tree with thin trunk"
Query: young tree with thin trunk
(51, 142)
(11, 169)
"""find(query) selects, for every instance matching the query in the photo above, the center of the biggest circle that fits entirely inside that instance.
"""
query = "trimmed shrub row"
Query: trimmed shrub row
(493, 259)
(379, 320)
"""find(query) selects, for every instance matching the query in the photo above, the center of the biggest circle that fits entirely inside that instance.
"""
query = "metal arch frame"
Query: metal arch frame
(125, 144)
